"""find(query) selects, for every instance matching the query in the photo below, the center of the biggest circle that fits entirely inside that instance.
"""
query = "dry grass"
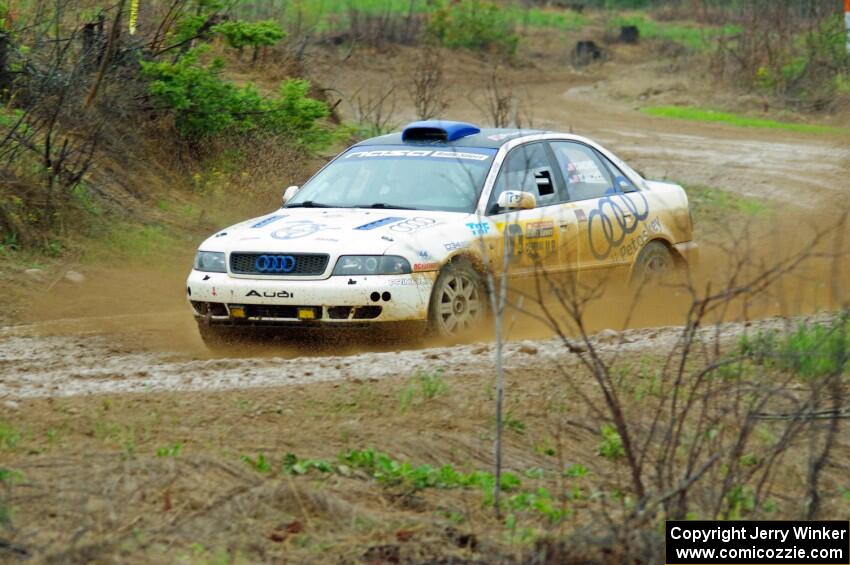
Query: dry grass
(92, 485)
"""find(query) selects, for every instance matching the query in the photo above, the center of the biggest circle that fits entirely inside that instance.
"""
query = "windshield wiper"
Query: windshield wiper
(384, 206)
(309, 204)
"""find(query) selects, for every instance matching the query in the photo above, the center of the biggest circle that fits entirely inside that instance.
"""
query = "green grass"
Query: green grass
(810, 351)
(564, 20)
(705, 115)
(693, 36)
(707, 201)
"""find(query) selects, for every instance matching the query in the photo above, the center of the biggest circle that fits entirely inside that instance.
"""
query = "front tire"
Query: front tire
(458, 301)
(220, 338)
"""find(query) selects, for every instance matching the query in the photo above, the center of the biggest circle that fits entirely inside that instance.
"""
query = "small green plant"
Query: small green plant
(10, 436)
(293, 465)
(611, 445)
(576, 471)
(811, 351)
(425, 386)
(514, 424)
(258, 463)
(169, 450)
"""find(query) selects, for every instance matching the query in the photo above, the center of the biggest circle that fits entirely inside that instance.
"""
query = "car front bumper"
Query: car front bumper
(218, 298)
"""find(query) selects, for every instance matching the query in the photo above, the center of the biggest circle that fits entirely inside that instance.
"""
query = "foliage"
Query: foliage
(611, 445)
(206, 105)
(169, 450)
(811, 351)
(473, 24)
(239, 34)
(425, 386)
(10, 436)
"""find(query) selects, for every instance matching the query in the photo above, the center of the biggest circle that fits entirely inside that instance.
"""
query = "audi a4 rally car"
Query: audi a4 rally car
(400, 228)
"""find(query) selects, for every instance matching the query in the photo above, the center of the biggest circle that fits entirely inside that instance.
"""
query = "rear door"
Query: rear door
(606, 205)
(537, 238)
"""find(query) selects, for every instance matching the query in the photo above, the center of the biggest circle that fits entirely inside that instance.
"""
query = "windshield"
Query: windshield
(392, 176)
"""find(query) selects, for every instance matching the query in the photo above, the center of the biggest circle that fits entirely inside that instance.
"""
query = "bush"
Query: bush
(239, 34)
(204, 104)
(473, 24)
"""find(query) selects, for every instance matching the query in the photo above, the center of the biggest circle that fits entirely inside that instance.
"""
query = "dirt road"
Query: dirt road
(87, 338)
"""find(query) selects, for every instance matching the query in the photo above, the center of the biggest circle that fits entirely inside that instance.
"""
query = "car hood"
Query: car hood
(329, 230)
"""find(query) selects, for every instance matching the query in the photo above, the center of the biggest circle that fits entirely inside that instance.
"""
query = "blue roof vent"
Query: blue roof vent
(437, 130)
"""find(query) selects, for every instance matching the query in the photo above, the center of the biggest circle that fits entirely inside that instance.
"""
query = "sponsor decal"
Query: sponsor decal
(478, 228)
(640, 240)
(420, 153)
(221, 234)
(615, 216)
(581, 216)
(426, 266)
(401, 282)
(271, 294)
(423, 254)
(295, 230)
(413, 224)
(537, 230)
(379, 223)
(267, 221)
(453, 245)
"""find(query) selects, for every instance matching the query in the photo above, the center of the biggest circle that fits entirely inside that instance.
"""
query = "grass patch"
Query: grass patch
(127, 240)
(693, 36)
(714, 204)
(705, 115)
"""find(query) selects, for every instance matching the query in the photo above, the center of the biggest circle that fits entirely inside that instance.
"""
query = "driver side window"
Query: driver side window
(528, 168)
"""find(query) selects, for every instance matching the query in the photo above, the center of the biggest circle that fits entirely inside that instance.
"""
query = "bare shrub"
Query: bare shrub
(503, 105)
(428, 89)
(375, 111)
(717, 424)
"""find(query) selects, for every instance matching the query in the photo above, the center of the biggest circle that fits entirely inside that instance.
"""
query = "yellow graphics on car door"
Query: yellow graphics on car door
(527, 204)
(614, 218)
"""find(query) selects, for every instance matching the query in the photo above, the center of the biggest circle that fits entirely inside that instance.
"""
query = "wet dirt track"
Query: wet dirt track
(95, 351)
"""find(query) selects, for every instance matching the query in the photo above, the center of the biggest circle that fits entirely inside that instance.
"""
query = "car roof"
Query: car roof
(488, 137)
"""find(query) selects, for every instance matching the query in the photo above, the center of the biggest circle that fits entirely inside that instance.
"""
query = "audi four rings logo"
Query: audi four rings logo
(275, 263)
(617, 216)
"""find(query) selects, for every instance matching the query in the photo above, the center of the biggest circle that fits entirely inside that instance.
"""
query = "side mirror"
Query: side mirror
(516, 200)
(289, 193)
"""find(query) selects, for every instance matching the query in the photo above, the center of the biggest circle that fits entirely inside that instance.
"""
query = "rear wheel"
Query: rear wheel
(654, 264)
(458, 301)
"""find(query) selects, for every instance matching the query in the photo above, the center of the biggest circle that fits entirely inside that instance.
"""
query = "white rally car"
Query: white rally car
(401, 229)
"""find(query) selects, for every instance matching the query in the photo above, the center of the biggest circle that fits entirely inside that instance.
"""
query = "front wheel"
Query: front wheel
(220, 338)
(458, 301)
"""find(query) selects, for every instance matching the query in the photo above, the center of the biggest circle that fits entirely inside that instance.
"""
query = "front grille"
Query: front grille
(306, 264)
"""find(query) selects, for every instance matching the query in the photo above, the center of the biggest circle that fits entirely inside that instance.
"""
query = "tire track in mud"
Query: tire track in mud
(59, 366)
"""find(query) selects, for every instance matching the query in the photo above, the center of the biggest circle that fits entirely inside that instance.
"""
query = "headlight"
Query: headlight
(210, 262)
(371, 265)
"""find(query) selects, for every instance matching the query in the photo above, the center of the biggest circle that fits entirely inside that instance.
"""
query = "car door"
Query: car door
(606, 205)
(536, 238)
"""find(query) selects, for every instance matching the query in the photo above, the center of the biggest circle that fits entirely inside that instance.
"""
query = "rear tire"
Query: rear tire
(458, 300)
(654, 264)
